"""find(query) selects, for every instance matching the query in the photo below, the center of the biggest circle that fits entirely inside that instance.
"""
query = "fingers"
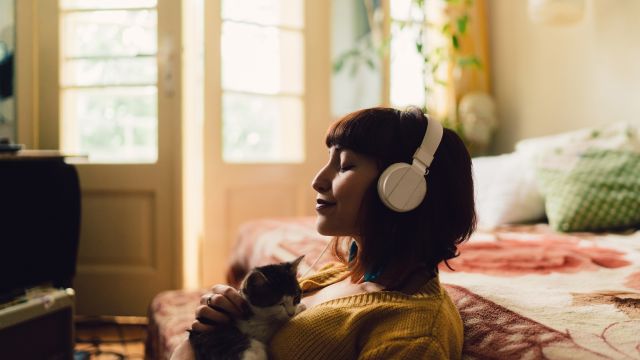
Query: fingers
(200, 327)
(218, 307)
(207, 319)
(208, 316)
(232, 297)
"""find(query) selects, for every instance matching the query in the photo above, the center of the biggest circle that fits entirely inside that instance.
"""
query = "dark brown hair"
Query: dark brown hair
(427, 235)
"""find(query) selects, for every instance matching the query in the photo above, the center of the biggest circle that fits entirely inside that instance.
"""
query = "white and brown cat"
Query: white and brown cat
(273, 295)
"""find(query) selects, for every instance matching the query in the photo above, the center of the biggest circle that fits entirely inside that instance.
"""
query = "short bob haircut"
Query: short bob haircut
(401, 243)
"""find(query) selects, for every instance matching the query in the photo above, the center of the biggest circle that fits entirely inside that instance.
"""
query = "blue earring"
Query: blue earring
(374, 274)
(353, 251)
(369, 275)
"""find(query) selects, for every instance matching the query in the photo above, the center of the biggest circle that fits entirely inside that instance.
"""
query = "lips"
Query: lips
(322, 204)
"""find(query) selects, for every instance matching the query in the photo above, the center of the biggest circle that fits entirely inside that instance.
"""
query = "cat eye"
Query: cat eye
(296, 299)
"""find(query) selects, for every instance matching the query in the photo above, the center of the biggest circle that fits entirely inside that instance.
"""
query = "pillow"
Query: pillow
(598, 190)
(617, 136)
(506, 190)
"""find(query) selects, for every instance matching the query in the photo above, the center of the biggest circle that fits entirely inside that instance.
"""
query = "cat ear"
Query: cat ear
(256, 278)
(295, 263)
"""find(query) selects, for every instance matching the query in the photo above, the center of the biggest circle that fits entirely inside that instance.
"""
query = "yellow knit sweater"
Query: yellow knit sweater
(376, 325)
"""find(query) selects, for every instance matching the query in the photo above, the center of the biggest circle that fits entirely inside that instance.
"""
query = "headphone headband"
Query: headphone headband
(423, 156)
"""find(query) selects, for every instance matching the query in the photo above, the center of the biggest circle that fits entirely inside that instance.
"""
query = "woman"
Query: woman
(384, 301)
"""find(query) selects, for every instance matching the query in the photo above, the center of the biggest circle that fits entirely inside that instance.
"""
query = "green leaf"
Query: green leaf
(455, 42)
(462, 22)
(419, 47)
(338, 65)
(469, 61)
(371, 64)
(342, 59)
(440, 82)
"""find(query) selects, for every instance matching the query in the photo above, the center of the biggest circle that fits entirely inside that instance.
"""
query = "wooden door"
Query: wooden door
(238, 189)
(121, 84)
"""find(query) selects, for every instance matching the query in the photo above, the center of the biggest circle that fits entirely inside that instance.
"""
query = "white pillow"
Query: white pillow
(617, 136)
(506, 190)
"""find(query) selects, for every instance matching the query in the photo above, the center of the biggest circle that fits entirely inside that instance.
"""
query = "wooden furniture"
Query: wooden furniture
(39, 221)
(38, 325)
(39, 233)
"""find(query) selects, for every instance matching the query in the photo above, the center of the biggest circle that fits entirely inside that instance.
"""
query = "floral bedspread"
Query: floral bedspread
(524, 292)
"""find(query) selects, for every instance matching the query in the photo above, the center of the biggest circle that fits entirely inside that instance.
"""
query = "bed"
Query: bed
(524, 292)
(566, 287)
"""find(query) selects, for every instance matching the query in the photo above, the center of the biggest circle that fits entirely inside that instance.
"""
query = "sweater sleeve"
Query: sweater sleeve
(411, 348)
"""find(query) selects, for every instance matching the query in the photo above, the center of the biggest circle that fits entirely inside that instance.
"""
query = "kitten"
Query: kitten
(273, 295)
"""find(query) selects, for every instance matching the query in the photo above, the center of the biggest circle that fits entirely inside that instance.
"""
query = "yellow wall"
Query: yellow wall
(551, 79)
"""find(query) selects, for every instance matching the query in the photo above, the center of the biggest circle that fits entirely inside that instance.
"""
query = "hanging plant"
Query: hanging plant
(440, 59)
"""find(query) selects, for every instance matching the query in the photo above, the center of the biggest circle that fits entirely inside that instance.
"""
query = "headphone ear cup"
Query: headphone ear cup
(402, 187)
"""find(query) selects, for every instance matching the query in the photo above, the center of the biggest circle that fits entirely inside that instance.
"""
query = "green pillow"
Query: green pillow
(599, 191)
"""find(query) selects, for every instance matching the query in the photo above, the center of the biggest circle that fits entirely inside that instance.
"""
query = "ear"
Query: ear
(295, 263)
(256, 278)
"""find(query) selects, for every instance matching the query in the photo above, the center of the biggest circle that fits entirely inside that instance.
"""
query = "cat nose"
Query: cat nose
(291, 312)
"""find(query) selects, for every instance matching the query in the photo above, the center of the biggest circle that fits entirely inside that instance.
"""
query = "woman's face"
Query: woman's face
(341, 185)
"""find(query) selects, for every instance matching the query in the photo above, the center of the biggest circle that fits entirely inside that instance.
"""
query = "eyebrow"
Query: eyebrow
(337, 149)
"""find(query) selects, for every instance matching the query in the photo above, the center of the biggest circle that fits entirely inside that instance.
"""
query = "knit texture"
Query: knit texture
(376, 325)
(601, 191)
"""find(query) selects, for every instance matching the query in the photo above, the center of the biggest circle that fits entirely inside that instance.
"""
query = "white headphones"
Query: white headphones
(401, 186)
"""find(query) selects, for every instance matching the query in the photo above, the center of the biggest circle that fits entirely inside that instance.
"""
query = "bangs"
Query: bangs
(377, 132)
(362, 131)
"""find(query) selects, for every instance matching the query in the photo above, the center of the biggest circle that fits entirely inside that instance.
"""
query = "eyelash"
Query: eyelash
(346, 168)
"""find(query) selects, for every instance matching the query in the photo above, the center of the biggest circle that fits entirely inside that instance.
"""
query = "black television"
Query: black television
(39, 223)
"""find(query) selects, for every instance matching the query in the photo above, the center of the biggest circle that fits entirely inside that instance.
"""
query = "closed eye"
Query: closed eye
(346, 168)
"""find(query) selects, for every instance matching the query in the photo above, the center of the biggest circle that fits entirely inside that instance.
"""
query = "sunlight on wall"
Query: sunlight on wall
(552, 79)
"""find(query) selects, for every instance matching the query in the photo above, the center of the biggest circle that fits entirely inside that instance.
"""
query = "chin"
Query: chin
(327, 229)
(323, 228)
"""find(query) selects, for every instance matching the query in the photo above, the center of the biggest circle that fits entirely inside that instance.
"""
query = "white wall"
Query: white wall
(553, 79)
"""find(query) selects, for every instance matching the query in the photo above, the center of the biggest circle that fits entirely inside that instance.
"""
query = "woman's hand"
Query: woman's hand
(219, 306)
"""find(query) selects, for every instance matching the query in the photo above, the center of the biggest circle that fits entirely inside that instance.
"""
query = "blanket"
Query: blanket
(524, 292)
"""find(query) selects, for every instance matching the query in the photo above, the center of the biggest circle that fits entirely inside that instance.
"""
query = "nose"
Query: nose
(321, 182)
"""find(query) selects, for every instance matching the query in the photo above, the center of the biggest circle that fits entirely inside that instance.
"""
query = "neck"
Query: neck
(408, 281)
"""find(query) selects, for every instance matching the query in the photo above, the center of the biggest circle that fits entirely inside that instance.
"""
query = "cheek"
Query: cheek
(351, 194)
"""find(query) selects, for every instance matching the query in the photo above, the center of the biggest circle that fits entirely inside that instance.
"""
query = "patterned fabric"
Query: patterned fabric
(600, 191)
(523, 292)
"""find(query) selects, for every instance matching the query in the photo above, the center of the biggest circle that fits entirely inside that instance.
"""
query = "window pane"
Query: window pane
(110, 72)
(406, 10)
(289, 13)
(115, 125)
(107, 4)
(407, 85)
(262, 129)
(270, 61)
(101, 33)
